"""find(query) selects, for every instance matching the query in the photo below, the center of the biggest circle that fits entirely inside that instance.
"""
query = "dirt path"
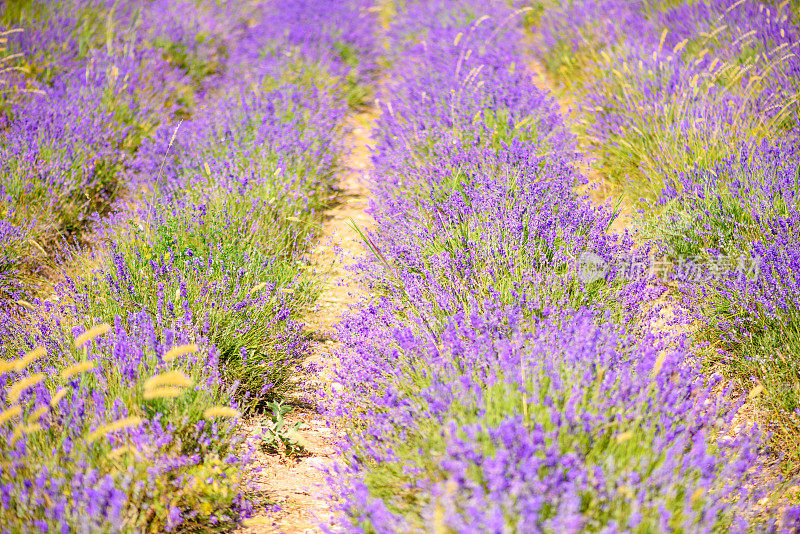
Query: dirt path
(294, 484)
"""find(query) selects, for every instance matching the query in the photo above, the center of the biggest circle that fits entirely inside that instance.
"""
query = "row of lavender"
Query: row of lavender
(491, 386)
(192, 146)
(85, 84)
(697, 111)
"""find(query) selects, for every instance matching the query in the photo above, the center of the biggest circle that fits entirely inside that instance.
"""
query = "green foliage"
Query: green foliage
(630, 441)
(68, 214)
(765, 355)
(749, 346)
(794, 8)
(658, 140)
(10, 63)
(202, 253)
(298, 70)
(532, 17)
(568, 62)
(94, 436)
(716, 219)
(197, 66)
(661, 137)
(278, 438)
(87, 185)
(501, 261)
(236, 281)
(656, 7)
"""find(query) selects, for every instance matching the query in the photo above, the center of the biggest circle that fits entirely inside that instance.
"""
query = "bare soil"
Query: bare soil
(297, 484)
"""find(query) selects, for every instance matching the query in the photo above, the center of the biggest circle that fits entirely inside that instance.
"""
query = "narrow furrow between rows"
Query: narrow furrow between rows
(296, 482)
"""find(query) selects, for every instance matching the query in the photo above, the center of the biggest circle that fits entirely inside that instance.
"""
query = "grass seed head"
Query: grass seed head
(177, 352)
(755, 392)
(92, 333)
(6, 366)
(30, 429)
(119, 451)
(258, 287)
(26, 360)
(221, 411)
(661, 41)
(127, 422)
(26, 304)
(170, 378)
(625, 436)
(658, 365)
(8, 413)
(16, 389)
(76, 369)
(60, 394)
(679, 46)
(163, 393)
(40, 411)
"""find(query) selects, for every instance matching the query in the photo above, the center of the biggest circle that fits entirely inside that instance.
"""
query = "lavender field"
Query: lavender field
(400, 266)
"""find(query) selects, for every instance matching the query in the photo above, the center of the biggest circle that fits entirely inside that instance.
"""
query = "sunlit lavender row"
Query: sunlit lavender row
(164, 168)
(496, 388)
(696, 114)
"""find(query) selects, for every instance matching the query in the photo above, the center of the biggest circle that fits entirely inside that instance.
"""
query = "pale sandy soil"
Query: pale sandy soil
(297, 484)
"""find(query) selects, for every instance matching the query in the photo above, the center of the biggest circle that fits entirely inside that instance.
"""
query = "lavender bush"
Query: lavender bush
(491, 387)
(171, 167)
(743, 211)
(699, 115)
(575, 427)
(670, 87)
(166, 166)
(119, 433)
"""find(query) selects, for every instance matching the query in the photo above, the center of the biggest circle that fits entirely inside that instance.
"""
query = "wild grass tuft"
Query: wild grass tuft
(100, 413)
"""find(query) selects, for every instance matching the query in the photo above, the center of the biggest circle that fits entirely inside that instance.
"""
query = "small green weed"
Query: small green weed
(278, 438)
